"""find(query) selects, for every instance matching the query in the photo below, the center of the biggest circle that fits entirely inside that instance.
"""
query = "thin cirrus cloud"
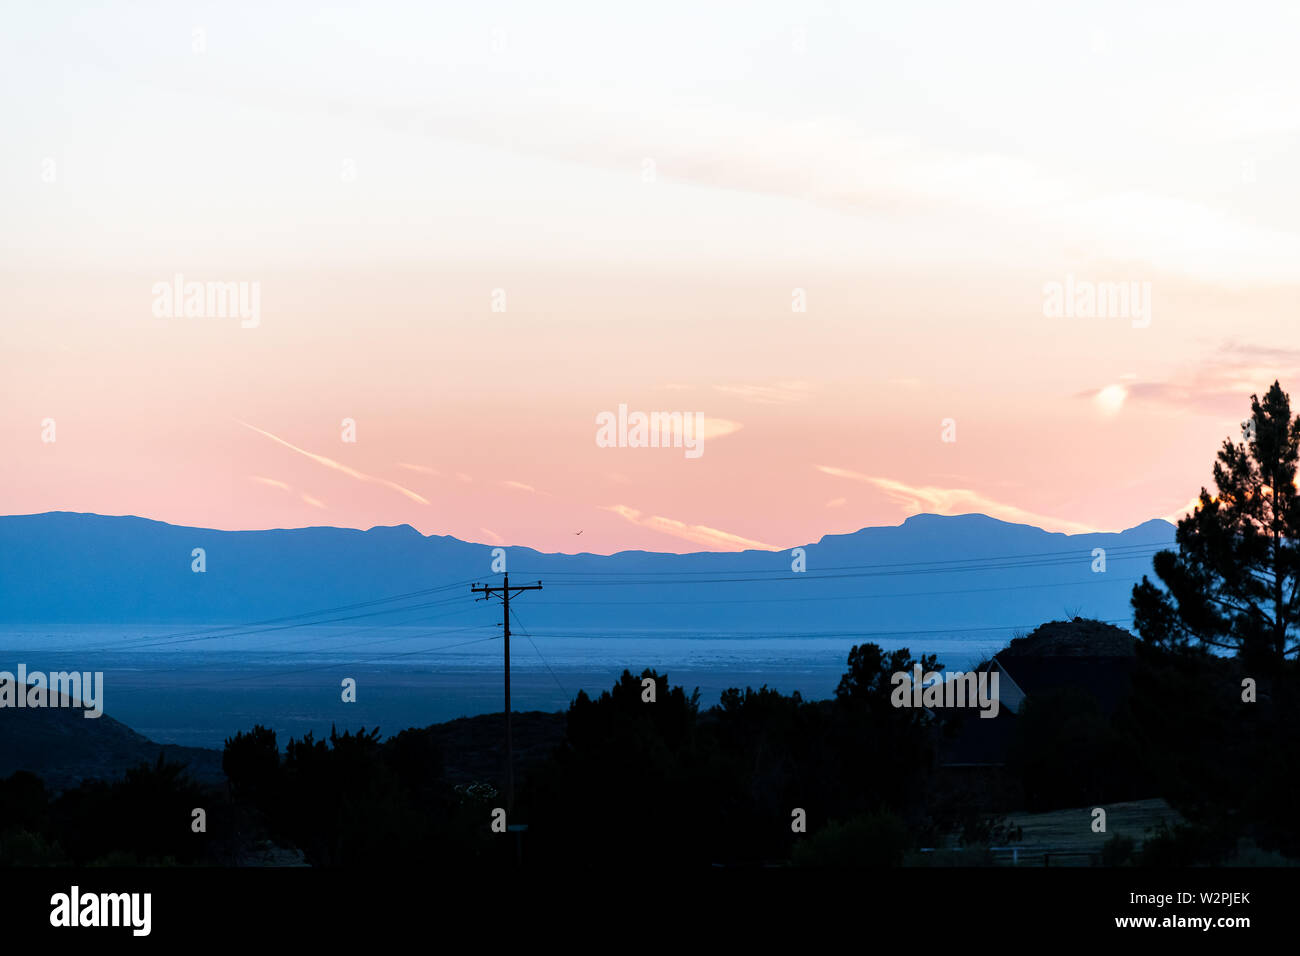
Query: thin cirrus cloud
(718, 428)
(953, 501)
(285, 486)
(711, 538)
(845, 154)
(873, 176)
(273, 482)
(520, 486)
(339, 466)
(783, 393)
(707, 428)
(1217, 385)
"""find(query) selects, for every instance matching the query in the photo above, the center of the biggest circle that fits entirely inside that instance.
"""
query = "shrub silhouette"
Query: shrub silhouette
(147, 815)
(873, 840)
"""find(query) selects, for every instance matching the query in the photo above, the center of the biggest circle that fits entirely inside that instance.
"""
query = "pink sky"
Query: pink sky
(483, 425)
(650, 228)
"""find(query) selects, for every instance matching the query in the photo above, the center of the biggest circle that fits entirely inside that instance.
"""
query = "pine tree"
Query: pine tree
(1233, 582)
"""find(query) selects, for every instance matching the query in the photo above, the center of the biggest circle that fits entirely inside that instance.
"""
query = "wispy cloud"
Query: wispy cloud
(273, 482)
(833, 162)
(687, 426)
(710, 538)
(423, 469)
(339, 466)
(718, 428)
(521, 486)
(782, 393)
(1220, 384)
(952, 501)
(491, 535)
(285, 486)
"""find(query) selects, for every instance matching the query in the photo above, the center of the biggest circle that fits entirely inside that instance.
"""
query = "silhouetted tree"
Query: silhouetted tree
(884, 753)
(143, 818)
(251, 762)
(1233, 582)
(629, 774)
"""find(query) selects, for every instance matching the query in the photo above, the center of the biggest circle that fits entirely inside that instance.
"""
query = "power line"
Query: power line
(592, 580)
(331, 610)
(837, 597)
(367, 660)
(267, 625)
(1075, 554)
(488, 593)
(802, 576)
(281, 627)
(422, 619)
(387, 625)
(240, 630)
(779, 635)
(539, 654)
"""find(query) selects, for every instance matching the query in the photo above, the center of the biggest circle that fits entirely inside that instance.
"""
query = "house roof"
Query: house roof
(983, 741)
(1106, 679)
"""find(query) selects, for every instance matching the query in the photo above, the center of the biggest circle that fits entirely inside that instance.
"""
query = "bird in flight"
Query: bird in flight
(580, 532)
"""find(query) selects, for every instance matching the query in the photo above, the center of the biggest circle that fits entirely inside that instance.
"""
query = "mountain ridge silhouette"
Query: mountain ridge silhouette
(929, 572)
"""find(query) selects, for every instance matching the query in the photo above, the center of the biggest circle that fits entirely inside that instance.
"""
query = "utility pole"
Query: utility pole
(488, 592)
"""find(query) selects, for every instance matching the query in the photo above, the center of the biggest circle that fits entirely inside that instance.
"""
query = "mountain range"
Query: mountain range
(965, 574)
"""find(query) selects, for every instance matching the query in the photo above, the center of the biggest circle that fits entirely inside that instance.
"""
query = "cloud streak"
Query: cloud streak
(285, 486)
(423, 469)
(783, 393)
(1218, 385)
(711, 538)
(339, 466)
(954, 501)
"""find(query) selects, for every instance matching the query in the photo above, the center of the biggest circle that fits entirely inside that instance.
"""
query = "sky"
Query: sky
(830, 231)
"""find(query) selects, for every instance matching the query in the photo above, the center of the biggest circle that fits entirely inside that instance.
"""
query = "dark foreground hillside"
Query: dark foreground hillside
(63, 747)
(1089, 722)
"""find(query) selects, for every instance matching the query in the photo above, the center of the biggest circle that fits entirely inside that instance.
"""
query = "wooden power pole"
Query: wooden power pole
(489, 592)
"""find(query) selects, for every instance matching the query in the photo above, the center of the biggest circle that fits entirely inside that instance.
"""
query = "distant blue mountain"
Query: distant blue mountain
(959, 575)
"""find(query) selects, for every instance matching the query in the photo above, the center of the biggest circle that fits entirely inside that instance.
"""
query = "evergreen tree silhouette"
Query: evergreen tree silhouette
(1233, 583)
